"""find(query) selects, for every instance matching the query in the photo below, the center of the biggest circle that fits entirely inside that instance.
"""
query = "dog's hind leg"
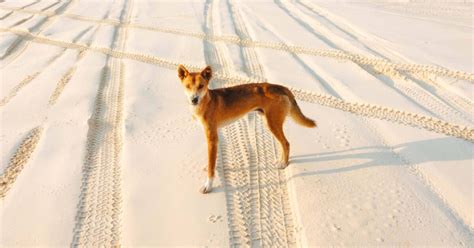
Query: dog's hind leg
(275, 121)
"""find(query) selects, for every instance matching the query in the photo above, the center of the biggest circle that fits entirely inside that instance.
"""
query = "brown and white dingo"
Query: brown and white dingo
(215, 108)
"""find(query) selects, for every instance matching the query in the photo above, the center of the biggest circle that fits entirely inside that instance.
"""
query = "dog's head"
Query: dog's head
(195, 83)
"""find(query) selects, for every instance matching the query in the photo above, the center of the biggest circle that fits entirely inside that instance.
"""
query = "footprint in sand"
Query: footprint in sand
(341, 134)
(215, 218)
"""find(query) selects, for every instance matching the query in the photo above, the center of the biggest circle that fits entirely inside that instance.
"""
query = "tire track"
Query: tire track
(389, 114)
(412, 168)
(359, 108)
(374, 130)
(30, 4)
(460, 15)
(18, 87)
(238, 184)
(70, 72)
(21, 21)
(465, 106)
(255, 196)
(343, 89)
(98, 219)
(352, 31)
(379, 137)
(399, 81)
(28, 79)
(19, 160)
(275, 216)
(423, 80)
(19, 46)
(257, 213)
(6, 15)
(61, 85)
(330, 53)
(27, 147)
(113, 52)
(234, 153)
(50, 6)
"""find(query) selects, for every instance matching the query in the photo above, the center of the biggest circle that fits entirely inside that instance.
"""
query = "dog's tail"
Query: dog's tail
(296, 114)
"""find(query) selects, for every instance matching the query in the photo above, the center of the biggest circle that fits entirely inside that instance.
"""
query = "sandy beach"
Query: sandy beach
(99, 149)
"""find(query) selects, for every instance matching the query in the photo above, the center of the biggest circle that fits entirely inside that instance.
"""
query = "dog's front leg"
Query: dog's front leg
(212, 140)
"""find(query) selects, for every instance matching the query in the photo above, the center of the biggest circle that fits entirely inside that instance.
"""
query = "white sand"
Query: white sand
(98, 146)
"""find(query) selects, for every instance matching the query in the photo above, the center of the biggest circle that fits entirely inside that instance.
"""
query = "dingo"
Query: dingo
(215, 108)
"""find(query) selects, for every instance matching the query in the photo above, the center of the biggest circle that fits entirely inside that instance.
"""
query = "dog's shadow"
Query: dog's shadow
(218, 189)
(441, 149)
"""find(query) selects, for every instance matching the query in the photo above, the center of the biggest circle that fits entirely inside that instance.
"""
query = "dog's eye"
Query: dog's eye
(200, 86)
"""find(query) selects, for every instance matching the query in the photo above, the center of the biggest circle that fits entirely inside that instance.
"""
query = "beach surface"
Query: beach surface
(98, 146)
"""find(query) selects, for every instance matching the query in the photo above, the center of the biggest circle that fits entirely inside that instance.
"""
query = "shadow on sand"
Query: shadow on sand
(442, 149)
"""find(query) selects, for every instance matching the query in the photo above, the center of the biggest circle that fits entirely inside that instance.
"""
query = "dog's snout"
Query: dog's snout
(194, 100)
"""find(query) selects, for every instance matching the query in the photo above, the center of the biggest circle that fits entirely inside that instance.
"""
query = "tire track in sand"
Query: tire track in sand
(30, 4)
(408, 82)
(258, 214)
(359, 108)
(20, 45)
(21, 21)
(50, 6)
(6, 15)
(276, 220)
(382, 112)
(27, 147)
(233, 157)
(18, 87)
(19, 160)
(61, 85)
(99, 210)
(379, 137)
(399, 81)
(297, 49)
(29, 78)
(70, 72)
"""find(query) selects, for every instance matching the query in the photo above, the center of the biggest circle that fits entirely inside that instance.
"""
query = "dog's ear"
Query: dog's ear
(207, 73)
(182, 72)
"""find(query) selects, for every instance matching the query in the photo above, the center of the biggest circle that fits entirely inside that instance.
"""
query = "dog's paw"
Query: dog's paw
(281, 164)
(205, 189)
